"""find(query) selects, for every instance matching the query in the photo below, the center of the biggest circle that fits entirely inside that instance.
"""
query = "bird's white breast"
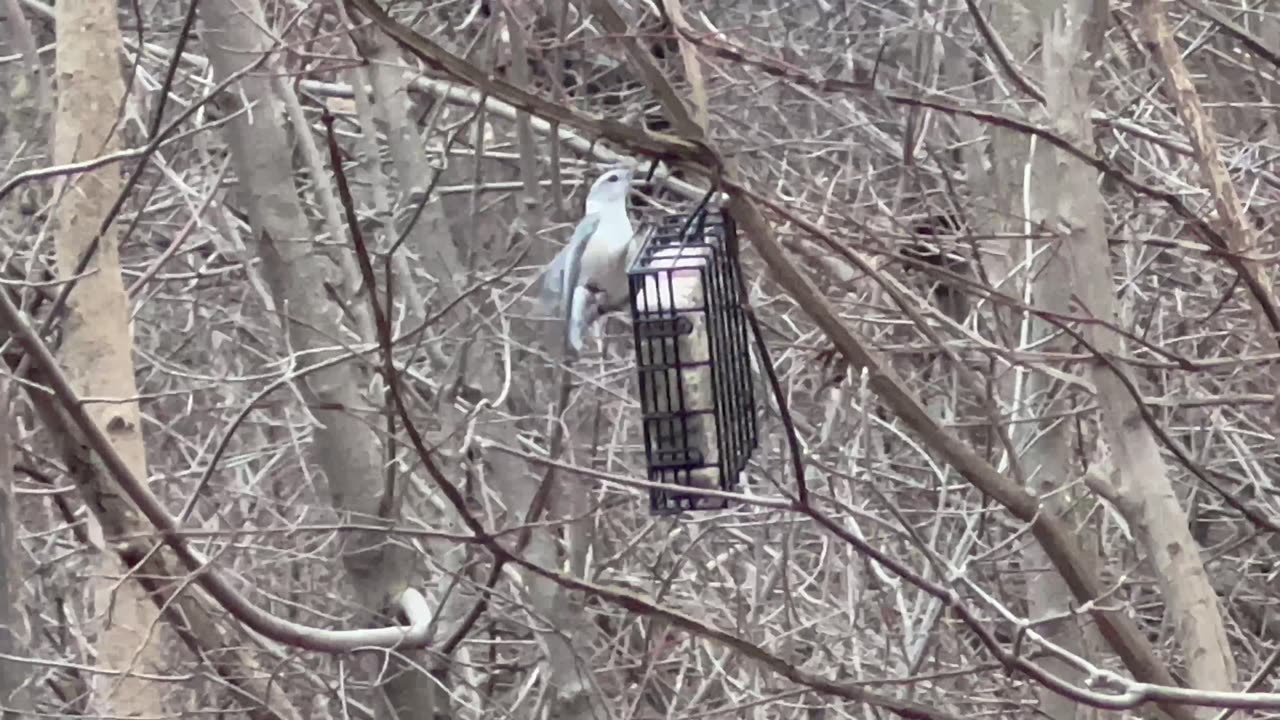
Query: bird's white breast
(607, 246)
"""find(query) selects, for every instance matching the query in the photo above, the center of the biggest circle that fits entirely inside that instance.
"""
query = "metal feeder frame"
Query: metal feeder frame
(671, 427)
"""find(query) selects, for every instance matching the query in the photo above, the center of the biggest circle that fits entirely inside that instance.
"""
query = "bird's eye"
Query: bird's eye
(612, 178)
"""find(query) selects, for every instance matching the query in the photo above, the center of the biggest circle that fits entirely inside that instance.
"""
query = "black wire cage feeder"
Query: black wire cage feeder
(697, 396)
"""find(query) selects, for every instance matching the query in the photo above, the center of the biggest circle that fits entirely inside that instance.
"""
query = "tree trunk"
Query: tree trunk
(97, 340)
(12, 673)
(24, 94)
(1045, 459)
(1075, 212)
(188, 614)
(297, 271)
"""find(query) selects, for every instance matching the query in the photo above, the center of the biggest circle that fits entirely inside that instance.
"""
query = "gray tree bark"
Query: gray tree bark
(1073, 209)
(1011, 186)
(296, 270)
(1014, 185)
(25, 97)
(12, 673)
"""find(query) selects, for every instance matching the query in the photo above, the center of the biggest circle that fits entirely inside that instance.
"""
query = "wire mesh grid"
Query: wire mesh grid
(696, 392)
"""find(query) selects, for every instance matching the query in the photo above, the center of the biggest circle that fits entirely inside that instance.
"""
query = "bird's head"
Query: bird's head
(610, 188)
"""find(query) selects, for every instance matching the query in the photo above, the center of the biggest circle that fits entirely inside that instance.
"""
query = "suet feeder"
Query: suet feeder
(696, 391)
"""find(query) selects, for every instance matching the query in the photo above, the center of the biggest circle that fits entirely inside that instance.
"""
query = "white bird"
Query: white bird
(589, 276)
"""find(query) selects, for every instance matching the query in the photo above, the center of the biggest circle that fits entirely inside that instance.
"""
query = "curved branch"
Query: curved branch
(93, 439)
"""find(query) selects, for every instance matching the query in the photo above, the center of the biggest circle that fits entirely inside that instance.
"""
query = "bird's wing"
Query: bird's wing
(553, 279)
